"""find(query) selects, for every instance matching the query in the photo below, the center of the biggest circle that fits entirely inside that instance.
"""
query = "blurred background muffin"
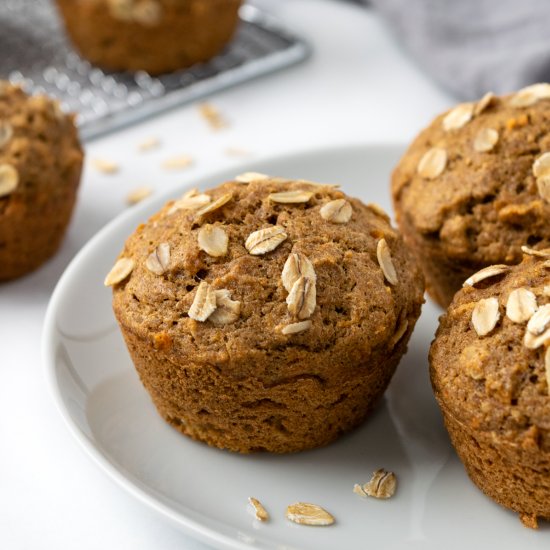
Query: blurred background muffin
(156, 36)
(40, 165)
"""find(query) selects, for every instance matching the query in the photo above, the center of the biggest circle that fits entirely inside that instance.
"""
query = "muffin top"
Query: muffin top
(39, 147)
(475, 179)
(490, 361)
(261, 265)
(150, 13)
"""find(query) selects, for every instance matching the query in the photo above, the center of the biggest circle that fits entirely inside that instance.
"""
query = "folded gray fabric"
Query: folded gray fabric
(473, 46)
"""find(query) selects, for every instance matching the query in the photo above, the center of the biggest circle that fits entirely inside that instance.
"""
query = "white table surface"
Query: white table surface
(358, 87)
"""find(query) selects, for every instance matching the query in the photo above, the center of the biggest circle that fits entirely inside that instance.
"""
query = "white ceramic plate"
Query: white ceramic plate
(203, 490)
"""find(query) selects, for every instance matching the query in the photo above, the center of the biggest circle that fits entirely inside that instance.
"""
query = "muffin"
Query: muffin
(490, 371)
(157, 36)
(40, 165)
(473, 187)
(266, 314)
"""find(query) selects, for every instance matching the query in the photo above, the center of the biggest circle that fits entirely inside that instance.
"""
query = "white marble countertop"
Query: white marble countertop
(358, 87)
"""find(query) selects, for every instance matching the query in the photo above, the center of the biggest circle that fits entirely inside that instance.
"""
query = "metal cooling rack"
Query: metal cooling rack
(35, 53)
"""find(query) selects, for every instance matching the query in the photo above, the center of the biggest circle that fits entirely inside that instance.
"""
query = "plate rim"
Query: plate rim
(192, 528)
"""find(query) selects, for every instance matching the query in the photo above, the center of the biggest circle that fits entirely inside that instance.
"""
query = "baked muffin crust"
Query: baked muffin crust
(259, 381)
(465, 192)
(491, 376)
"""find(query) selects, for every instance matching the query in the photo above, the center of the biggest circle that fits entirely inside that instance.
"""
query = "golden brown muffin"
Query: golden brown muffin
(466, 194)
(157, 36)
(258, 315)
(490, 371)
(40, 166)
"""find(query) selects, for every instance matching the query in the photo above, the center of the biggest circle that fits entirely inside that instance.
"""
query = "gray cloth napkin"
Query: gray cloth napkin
(473, 46)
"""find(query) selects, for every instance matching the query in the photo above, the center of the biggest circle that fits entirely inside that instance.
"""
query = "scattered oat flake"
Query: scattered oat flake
(382, 484)
(544, 253)
(249, 177)
(212, 116)
(148, 144)
(6, 133)
(485, 140)
(485, 316)
(458, 117)
(546, 290)
(237, 152)
(521, 305)
(105, 166)
(358, 490)
(158, 261)
(9, 179)
(178, 163)
(484, 102)
(486, 273)
(305, 513)
(259, 511)
(213, 240)
(302, 298)
(433, 163)
(530, 95)
(297, 265)
(336, 211)
(291, 197)
(218, 203)
(295, 328)
(227, 310)
(138, 194)
(122, 268)
(265, 240)
(204, 303)
(540, 321)
(385, 261)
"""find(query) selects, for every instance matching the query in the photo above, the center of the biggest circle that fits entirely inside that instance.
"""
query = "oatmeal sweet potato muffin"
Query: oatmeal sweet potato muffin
(490, 370)
(266, 314)
(157, 36)
(475, 186)
(40, 166)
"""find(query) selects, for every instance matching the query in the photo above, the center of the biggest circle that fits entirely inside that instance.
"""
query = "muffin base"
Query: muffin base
(248, 416)
(514, 477)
